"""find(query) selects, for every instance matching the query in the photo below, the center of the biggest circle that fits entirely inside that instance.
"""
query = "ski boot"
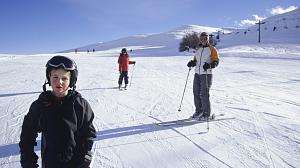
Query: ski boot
(196, 115)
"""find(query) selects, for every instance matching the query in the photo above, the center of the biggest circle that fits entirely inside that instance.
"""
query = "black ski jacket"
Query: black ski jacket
(67, 131)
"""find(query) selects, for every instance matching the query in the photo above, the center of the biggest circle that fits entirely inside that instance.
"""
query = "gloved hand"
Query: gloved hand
(206, 66)
(88, 157)
(29, 160)
(133, 62)
(191, 63)
(214, 64)
(86, 161)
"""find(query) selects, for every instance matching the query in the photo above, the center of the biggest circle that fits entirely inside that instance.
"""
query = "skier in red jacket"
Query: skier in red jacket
(123, 67)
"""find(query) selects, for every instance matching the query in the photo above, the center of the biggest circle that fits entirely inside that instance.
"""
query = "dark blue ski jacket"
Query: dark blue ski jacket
(67, 131)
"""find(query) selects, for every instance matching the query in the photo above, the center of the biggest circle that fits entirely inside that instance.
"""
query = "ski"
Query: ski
(191, 121)
(122, 88)
(198, 120)
(187, 121)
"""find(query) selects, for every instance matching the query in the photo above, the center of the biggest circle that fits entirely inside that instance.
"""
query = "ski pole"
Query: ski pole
(184, 88)
(207, 99)
(131, 75)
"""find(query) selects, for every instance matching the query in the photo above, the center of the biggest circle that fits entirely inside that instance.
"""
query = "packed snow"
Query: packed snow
(255, 92)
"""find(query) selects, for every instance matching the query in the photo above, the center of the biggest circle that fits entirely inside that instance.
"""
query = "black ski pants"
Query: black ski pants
(123, 74)
(201, 86)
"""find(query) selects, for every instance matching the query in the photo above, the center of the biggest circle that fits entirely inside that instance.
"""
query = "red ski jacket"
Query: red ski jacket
(124, 62)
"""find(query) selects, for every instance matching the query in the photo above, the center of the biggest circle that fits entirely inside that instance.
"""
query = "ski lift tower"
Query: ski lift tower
(259, 23)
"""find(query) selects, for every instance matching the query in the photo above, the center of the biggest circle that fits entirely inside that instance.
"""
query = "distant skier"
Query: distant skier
(123, 62)
(206, 58)
(64, 118)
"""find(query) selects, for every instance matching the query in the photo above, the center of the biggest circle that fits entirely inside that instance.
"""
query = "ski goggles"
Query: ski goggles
(62, 61)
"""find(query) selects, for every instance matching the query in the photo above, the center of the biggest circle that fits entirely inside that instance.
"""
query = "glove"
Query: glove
(88, 157)
(133, 62)
(191, 63)
(86, 160)
(29, 160)
(214, 64)
(206, 66)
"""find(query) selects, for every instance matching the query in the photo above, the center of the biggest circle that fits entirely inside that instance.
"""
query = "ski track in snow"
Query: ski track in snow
(261, 98)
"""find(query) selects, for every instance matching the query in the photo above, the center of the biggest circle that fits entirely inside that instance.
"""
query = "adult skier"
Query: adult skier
(206, 58)
(123, 62)
(64, 118)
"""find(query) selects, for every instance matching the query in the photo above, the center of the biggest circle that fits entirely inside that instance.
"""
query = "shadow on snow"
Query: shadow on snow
(17, 94)
(38, 92)
(13, 149)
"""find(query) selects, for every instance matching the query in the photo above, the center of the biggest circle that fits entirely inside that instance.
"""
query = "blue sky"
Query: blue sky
(48, 26)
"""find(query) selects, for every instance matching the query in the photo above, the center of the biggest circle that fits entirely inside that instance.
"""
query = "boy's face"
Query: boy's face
(60, 81)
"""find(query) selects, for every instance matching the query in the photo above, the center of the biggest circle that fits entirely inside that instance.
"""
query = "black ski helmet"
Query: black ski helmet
(124, 50)
(65, 63)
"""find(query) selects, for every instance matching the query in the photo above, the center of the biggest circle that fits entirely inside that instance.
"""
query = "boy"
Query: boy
(123, 67)
(63, 117)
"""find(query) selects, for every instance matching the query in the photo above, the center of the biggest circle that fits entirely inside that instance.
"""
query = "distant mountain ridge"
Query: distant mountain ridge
(283, 28)
(160, 43)
(167, 43)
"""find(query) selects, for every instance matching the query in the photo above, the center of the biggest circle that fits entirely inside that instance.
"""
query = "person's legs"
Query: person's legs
(121, 79)
(206, 82)
(124, 75)
(126, 78)
(197, 99)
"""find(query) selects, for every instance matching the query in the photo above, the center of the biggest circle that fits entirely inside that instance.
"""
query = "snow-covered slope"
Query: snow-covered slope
(167, 43)
(287, 31)
(162, 44)
(255, 91)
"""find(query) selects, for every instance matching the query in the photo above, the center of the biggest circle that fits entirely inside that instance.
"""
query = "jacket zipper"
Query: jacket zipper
(200, 61)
